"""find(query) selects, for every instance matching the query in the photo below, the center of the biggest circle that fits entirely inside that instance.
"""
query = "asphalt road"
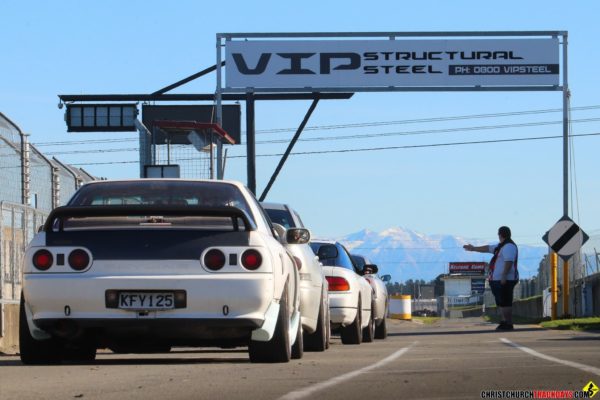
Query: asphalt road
(454, 359)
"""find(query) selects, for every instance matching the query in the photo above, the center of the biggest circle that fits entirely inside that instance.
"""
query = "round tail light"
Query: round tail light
(337, 284)
(214, 259)
(42, 260)
(251, 259)
(79, 260)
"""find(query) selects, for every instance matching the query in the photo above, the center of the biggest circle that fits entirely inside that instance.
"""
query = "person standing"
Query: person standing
(503, 274)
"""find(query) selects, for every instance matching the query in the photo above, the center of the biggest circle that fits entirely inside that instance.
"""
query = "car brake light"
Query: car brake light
(337, 284)
(79, 259)
(251, 259)
(214, 259)
(298, 263)
(42, 260)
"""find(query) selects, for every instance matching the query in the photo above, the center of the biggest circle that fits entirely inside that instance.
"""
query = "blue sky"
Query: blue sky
(89, 47)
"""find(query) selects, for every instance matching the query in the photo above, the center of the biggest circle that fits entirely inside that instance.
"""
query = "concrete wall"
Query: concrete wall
(527, 308)
(9, 332)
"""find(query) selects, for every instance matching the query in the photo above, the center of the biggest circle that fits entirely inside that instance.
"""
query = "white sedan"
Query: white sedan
(148, 264)
(350, 295)
(314, 303)
(380, 293)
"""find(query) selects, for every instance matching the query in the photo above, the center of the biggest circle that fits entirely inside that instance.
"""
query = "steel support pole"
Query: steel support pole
(212, 156)
(219, 112)
(554, 284)
(250, 143)
(289, 149)
(566, 287)
(565, 129)
(219, 159)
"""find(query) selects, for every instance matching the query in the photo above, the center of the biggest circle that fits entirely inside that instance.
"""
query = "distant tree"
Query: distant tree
(438, 285)
(394, 288)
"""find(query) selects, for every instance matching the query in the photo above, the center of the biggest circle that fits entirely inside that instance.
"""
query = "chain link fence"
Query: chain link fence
(31, 185)
(18, 225)
(193, 164)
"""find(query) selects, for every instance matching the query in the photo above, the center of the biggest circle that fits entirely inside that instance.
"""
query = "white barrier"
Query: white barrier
(400, 307)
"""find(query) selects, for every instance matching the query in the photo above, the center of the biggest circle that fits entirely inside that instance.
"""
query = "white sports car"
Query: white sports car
(350, 295)
(380, 293)
(314, 303)
(143, 265)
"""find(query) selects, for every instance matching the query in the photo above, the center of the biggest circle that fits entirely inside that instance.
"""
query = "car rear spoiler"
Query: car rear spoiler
(59, 214)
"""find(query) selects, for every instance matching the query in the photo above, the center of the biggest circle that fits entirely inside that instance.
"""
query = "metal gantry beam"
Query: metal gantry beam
(289, 149)
(249, 35)
(203, 97)
(188, 79)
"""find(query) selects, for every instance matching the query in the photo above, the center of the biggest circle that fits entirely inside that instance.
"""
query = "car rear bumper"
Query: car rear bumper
(172, 330)
(214, 297)
(344, 316)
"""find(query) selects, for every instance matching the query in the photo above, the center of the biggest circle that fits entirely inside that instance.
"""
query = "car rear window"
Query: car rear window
(208, 194)
(159, 193)
(359, 261)
(342, 260)
(281, 217)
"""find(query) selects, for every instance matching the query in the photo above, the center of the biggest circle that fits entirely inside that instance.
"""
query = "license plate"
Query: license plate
(146, 301)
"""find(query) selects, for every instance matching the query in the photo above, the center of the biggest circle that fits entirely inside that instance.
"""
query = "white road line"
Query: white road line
(303, 393)
(583, 367)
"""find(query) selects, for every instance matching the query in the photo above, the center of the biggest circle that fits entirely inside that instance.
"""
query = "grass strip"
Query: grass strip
(427, 320)
(576, 324)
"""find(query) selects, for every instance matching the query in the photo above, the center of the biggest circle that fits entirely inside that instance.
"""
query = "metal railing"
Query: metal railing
(18, 225)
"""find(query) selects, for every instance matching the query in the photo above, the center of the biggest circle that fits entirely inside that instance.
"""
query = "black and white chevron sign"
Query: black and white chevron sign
(565, 238)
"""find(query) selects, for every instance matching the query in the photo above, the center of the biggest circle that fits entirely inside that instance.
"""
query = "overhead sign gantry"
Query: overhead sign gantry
(393, 62)
(389, 62)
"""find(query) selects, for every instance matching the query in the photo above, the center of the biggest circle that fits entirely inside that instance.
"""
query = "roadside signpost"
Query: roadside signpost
(565, 238)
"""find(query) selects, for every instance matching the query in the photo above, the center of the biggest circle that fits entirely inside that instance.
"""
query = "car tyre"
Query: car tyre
(83, 353)
(298, 347)
(328, 327)
(278, 349)
(352, 334)
(328, 342)
(32, 351)
(381, 330)
(368, 331)
(317, 341)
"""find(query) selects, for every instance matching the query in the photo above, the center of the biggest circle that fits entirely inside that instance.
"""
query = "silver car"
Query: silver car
(380, 293)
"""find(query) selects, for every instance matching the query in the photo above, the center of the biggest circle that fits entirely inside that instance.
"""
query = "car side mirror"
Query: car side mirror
(327, 251)
(386, 278)
(280, 232)
(297, 236)
(370, 269)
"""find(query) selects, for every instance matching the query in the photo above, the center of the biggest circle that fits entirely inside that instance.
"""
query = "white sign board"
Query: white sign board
(315, 64)
(565, 238)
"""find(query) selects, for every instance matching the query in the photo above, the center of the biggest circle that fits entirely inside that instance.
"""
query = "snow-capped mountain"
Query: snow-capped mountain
(406, 254)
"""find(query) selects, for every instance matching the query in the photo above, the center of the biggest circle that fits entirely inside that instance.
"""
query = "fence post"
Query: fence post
(55, 187)
(13, 252)
(25, 169)
(2, 263)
